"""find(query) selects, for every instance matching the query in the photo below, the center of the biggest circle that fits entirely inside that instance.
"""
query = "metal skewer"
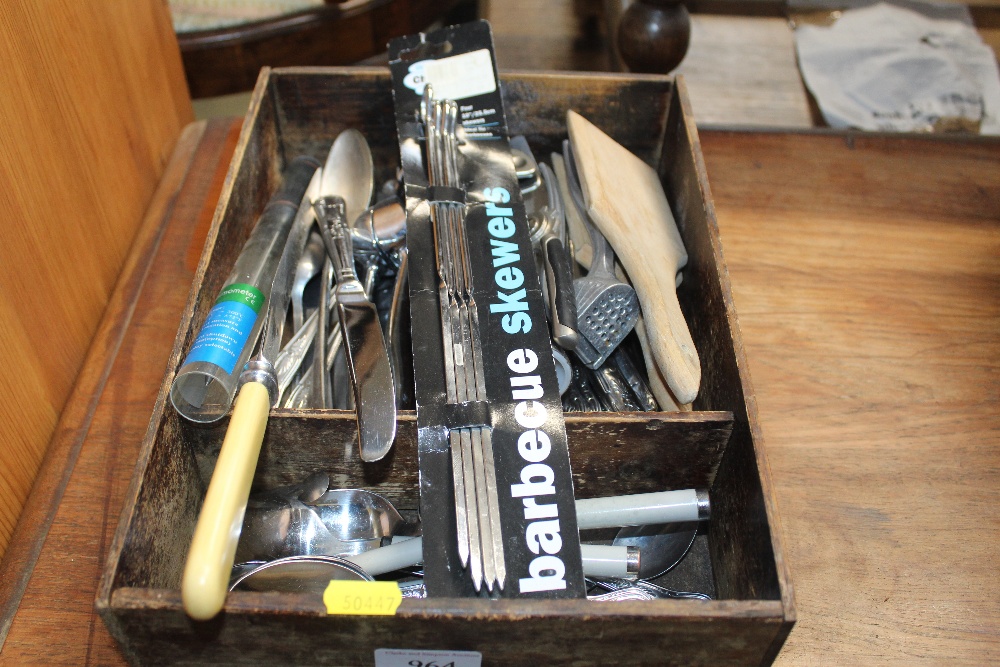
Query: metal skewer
(480, 541)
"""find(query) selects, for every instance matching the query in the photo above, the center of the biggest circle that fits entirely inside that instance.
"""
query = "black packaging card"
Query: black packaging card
(522, 411)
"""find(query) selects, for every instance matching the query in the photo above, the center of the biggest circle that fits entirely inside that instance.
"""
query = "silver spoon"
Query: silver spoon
(378, 235)
(381, 226)
(292, 354)
(308, 519)
(296, 574)
(349, 173)
(274, 519)
(362, 519)
(564, 369)
(662, 546)
(627, 589)
(300, 396)
(321, 379)
(394, 331)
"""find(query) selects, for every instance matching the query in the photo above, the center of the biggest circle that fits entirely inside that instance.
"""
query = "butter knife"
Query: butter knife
(367, 356)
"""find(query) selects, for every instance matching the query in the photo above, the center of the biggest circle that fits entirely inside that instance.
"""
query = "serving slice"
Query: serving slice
(626, 201)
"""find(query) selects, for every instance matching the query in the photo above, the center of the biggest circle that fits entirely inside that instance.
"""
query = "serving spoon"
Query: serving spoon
(307, 519)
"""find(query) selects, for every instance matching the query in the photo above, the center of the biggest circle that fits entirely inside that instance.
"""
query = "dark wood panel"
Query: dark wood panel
(571, 632)
(228, 60)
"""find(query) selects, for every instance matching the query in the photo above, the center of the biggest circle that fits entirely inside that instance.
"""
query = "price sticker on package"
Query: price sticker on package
(362, 598)
(461, 76)
(393, 657)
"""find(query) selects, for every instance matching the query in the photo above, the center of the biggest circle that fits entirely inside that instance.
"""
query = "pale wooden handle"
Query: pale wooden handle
(668, 336)
(657, 383)
(213, 547)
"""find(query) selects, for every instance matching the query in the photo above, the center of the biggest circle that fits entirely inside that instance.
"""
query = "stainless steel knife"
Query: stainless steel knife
(367, 356)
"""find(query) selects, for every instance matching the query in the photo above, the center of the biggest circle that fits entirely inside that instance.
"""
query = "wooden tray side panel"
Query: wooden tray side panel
(609, 455)
(159, 508)
(632, 110)
(658, 452)
(363, 97)
(254, 635)
(742, 555)
(165, 513)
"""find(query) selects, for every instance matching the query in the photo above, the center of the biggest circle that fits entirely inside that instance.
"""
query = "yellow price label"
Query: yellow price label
(362, 598)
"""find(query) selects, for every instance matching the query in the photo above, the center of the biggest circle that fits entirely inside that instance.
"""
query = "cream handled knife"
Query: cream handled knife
(213, 547)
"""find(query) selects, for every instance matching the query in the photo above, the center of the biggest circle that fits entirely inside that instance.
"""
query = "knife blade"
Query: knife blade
(213, 546)
(364, 344)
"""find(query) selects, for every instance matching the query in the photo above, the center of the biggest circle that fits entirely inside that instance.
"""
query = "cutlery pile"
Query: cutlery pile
(589, 187)
(271, 255)
(600, 358)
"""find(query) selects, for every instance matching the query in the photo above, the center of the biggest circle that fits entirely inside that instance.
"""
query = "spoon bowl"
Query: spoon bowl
(381, 226)
(307, 519)
(296, 574)
(360, 516)
(661, 547)
(349, 172)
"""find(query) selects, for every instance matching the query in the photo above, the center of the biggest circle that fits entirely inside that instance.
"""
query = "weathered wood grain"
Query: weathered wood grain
(55, 622)
(94, 100)
(742, 71)
(865, 274)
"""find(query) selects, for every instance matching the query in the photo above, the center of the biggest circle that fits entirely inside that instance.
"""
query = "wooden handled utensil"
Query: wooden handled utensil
(625, 199)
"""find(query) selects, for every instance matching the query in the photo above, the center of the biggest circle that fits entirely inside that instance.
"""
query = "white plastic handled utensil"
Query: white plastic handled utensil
(599, 560)
(642, 509)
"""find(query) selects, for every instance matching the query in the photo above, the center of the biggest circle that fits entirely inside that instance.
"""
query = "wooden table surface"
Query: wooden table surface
(866, 277)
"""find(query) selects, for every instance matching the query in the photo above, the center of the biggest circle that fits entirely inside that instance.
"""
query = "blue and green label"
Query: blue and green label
(228, 327)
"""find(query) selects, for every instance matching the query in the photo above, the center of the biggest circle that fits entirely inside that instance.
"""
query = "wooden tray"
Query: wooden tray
(717, 446)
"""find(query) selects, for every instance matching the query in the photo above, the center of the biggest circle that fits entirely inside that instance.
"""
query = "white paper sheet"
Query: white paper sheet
(894, 68)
